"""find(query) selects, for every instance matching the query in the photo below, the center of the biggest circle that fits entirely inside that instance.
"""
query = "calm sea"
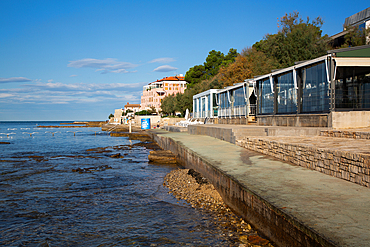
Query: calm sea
(60, 187)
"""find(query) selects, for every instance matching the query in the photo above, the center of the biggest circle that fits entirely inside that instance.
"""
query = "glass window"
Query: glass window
(209, 102)
(315, 89)
(224, 100)
(266, 97)
(352, 88)
(239, 99)
(215, 106)
(286, 94)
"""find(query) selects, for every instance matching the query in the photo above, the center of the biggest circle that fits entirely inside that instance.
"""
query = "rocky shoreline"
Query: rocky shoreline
(76, 125)
(190, 186)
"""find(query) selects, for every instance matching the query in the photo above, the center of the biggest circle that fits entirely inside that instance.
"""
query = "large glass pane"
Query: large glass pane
(315, 89)
(287, 94)
(352, 88)
(266, 97)
(224, 100)
(239, 97)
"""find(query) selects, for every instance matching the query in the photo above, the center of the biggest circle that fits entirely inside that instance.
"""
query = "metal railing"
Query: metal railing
(237, 111)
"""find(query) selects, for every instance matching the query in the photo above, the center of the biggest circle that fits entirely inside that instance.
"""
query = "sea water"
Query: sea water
(61, 187)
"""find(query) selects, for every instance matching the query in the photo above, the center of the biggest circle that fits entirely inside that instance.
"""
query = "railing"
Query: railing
(203, 114)
(253, 109)
(111, 129)
(237, 111)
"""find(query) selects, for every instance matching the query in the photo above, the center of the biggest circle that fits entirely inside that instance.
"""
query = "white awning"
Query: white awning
(352, 61)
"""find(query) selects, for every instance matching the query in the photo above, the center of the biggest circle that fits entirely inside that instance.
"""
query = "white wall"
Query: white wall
(350, 119)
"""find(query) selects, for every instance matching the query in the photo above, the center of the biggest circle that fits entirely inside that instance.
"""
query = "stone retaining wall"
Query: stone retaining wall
(300, 120)
(349, 166)
(237, 120)
(345, 134)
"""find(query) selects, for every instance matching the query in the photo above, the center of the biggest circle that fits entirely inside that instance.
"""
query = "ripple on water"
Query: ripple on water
(47, 201)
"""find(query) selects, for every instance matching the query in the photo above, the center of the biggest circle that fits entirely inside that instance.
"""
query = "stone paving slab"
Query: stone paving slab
(334, 208)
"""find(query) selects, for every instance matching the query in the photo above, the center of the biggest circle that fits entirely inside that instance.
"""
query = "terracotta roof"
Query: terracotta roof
(132, 105)
(170, 78)
(173, 78)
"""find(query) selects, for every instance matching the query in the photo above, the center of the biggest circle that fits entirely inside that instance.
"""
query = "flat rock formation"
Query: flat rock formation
(75, 125)
(141, 136)
(162, 156)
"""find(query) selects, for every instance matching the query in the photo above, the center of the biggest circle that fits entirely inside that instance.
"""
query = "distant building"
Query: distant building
(117, 116)
(133, 107)
(360, 20)
(154, 92)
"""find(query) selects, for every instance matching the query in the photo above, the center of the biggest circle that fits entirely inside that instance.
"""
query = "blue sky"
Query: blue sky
(80, 60)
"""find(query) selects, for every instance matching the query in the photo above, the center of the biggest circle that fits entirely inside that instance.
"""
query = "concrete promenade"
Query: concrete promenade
(291, 205)
(340, 153)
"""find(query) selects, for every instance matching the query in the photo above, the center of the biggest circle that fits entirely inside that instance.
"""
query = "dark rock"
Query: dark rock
(90, 169)
(4, 142)
(198, 177)
(117, 155)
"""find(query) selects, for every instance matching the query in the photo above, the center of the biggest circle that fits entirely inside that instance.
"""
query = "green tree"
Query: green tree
(354, 37)
(214, 61)
(127, 111)
(230, 57)
(111, 115)
(296, 40)
(195, 75)
(168, 104)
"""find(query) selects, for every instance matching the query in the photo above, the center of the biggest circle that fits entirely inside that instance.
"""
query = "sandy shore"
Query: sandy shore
(190, 186)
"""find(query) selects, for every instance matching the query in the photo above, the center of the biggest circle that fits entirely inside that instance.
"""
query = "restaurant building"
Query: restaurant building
(329, 91)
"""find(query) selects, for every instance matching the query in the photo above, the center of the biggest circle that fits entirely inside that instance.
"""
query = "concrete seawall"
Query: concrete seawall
(278, 226)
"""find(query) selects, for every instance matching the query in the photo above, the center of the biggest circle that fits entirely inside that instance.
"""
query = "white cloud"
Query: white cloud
(50, 80)
(72, 75)
(163, 60)
(14, 79)
(5, 95)
(108, 65)
(165, 68)
(61, 93)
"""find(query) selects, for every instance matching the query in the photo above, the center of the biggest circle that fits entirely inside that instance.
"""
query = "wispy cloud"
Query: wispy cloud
(14, 79)
(61, 93)
(163, 60)
(108, 65)
(72, 75)
(165, 68)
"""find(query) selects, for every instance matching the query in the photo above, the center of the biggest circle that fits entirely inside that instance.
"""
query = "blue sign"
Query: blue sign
(145, 123)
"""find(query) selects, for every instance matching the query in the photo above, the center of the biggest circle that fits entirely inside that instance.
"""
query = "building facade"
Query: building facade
(360, 20)
(154, 92)
(329, 91)
(233, 104)
(132, 107)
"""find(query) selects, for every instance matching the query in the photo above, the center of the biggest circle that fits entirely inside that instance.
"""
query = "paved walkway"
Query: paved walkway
(336, 209)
